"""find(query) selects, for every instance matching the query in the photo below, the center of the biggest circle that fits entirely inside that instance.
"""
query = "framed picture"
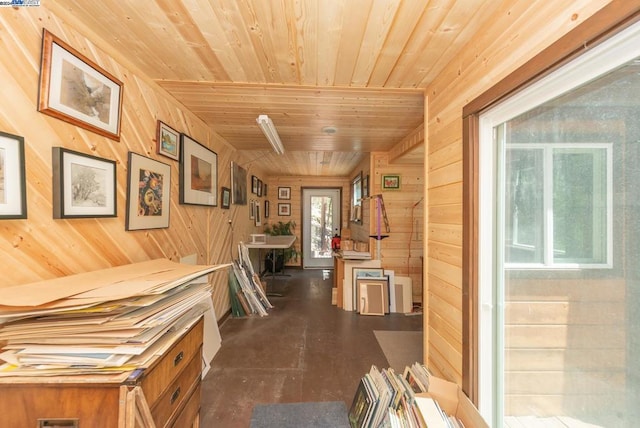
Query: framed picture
(77, 90)
(284, 192)
(258, 219)
(148, 190)
(83, 185)
(359, 273)
(254, 184)
(198, 173)
(284, 209)
(225, 198)
(368, 282)
(365, 186)
(264, 190)
(391, 182)
(252, 209)
(266, 209)
(259, 188)
(167, 141)
(13, 183)
(238, 184)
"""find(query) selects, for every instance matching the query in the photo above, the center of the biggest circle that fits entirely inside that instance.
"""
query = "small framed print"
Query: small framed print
(259, 188)
(284, 209)
(238, 184)
(254, 184)
(225, 198)
(13, 183)
(284, 192)
(391, 182)
(198, 173)
(258, 219)
(365, 186)
(148, 190)
(266, 208)
(264, 190)
(83, 185)
(252, 209)
(167, 141)
(77, 90)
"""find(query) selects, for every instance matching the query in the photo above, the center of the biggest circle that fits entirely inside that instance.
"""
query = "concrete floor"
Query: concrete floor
(304, 350)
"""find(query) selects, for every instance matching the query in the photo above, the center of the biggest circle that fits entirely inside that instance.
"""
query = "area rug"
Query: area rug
(329, 414)
(401, 348)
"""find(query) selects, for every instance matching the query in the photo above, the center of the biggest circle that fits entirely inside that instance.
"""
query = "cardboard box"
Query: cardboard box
(454, 402)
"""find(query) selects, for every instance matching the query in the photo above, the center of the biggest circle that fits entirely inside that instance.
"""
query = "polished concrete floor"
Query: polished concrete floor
(304, 350)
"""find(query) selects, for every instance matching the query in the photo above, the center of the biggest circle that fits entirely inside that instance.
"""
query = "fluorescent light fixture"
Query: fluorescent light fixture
(269, 131)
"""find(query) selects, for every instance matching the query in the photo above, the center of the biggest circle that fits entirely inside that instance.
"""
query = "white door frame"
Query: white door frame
(309, 262)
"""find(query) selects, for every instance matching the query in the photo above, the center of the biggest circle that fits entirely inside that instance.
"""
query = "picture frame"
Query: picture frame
(238, 184)
(266, 208)
(258, 219)
(148, 193)
(252, 209)
(365, 186)
(360, 273)
(225, 198)
(284, 192)
(391, 182)
(284, 209)
(259, 188)
(78, 91)
(264, 190)
(84, 186)
(13, 183)
(198, 173)
(254, 184)
(167, 141)
(371, 298)
(383, 282)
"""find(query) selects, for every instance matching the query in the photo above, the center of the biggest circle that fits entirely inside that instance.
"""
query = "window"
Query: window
(571, 182)
(558, 225)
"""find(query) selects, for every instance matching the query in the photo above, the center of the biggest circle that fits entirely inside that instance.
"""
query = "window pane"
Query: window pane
(524, 206)
(321, 226)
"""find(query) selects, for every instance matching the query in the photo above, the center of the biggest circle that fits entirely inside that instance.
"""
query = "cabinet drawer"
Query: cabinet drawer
(177, 393)
(191, 412)
(158, 378)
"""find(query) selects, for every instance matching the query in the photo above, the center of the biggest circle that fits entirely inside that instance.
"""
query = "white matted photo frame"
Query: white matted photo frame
(77, 90)
(284, 209)
(284, 192)
(13, 183)
(238, 184)
(198, 173)
(83, 185)
(148, 190)
(167, 141)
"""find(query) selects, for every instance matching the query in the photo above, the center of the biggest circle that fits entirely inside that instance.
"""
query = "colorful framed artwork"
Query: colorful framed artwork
(391, 182)
(238, 184)
(77, 90)
(284, 209)
(13, 183)
(83, 185)
(284, 192)
(225, 198)
(198, 173)
(167, 141)
(148, 190)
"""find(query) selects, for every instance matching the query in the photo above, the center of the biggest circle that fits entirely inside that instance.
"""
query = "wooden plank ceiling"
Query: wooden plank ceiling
(359, 66)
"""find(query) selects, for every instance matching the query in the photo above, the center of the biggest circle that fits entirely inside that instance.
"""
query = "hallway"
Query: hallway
(304, 350)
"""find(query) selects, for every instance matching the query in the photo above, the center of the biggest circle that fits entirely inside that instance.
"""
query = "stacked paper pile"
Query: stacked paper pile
(104, 321)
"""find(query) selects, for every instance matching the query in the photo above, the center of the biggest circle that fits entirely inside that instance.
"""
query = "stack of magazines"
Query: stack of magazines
(386, 399)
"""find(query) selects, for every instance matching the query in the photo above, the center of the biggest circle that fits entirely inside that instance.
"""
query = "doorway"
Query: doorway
(320, 221)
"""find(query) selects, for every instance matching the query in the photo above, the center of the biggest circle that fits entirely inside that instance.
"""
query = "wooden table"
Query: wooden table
(273, 243)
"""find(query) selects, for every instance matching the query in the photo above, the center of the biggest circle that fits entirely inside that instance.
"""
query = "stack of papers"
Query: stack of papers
(106, 321)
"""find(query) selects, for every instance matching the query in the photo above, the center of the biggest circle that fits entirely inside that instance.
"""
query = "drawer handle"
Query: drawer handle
(175, 395)
(178, 358)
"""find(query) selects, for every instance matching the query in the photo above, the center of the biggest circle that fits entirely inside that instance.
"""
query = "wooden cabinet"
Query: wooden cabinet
(170, 386)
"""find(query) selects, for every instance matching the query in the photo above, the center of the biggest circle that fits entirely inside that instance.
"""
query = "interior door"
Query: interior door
(320, 221)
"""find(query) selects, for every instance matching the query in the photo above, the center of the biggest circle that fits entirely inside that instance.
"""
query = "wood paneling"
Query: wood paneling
(40, 247)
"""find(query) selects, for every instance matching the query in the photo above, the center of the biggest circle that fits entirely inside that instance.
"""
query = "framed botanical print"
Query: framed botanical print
(77, 90)
(148, 190)
(198, 174)
(83, 185)
(13, 183)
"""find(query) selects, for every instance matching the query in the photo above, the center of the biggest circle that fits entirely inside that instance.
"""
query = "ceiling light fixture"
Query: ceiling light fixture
(269, 131)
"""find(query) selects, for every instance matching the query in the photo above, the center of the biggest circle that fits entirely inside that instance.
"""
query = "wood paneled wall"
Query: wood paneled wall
(516, 33)
(40, 247)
